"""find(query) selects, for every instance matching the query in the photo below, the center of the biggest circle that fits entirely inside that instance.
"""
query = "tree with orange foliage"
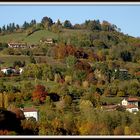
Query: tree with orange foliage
(70, 50)
(39, 94)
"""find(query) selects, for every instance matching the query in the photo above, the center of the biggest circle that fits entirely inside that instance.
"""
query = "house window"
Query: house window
(134, 110)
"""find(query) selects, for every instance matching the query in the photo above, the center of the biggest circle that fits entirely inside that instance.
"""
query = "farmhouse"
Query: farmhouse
(30, 112)
(17, 45)
(21, 45)
(132, 108)
(130, 101)
(47, 41)
(122, 71)
(8, 70)
(131, 104)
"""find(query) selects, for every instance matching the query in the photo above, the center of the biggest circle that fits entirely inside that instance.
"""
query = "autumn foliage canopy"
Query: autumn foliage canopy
(39, 94)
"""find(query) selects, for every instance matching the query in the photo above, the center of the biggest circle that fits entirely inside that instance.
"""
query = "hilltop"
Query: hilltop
(33, 32)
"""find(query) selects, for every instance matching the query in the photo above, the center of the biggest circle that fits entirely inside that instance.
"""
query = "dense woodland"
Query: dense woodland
(69, 80)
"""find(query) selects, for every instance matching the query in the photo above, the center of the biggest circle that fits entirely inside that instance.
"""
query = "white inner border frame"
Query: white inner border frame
(69, 3)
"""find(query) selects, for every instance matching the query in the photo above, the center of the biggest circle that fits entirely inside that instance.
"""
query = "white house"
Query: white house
(30, 112)
(47, 40)
(131, 104)
(17, 45)
(132, 108)
(128, 101)
(8, 70)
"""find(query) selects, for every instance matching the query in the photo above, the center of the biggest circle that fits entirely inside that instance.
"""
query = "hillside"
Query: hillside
(22, 37)
(76, 77)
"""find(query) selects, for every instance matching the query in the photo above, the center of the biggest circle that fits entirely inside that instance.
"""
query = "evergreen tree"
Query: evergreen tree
(25, 25)
(33, 22)
(67, 24)
(17, 26)
(3, 28)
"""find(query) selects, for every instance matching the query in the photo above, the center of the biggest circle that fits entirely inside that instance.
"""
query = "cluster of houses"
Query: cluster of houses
(25, 45)
(21, 45)
(10, 70)
(130, 104)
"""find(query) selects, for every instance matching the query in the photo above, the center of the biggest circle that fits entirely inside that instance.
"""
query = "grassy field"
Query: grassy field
(36, 36)
(8, 60)
(32, 39)
(14, 37)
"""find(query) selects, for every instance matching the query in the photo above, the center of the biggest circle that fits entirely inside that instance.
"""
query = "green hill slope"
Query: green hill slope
(32, 39)
(13, 37)
(36, 36)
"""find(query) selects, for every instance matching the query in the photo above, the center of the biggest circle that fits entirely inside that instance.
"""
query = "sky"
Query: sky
(126, 17)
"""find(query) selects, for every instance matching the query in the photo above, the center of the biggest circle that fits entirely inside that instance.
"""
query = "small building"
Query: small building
(30, 112)
(131, 104)
(132, 108)
(22, 45)
(130, 101)
(17, 45)
(8, 70)
(122, 73)
(47, 41)
(121, 70)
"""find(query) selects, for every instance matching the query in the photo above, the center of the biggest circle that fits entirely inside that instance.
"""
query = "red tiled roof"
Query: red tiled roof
(131, 106)
(29, 109)
(132, 99)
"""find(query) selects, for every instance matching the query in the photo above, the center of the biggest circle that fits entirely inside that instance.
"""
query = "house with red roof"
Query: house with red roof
(30, 112)
(131, 104)
(132, 108)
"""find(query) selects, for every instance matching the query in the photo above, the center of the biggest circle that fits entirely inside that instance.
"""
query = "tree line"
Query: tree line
(48, 23)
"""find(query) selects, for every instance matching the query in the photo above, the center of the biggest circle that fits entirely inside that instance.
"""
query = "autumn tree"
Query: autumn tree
(39, 94)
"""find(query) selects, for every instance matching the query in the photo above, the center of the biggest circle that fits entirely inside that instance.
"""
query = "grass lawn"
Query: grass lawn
(9, 59)
(32, 39)
(14, 37)
(35, 37)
